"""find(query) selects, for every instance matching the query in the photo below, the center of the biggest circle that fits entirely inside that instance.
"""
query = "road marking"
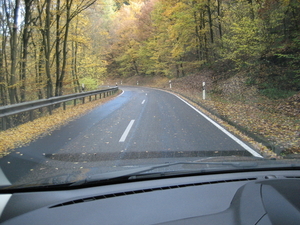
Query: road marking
(4, 198)
(143, 102)
(246, 147)
(124, 136)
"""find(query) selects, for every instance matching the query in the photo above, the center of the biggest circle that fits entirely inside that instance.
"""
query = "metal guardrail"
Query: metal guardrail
(9, 110)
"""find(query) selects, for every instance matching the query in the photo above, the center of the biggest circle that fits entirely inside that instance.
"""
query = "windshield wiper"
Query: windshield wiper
(33, 187)
(132, 173)
(141, 173)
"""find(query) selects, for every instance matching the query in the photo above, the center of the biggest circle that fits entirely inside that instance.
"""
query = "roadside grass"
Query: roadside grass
(274, 93)
(23, 134)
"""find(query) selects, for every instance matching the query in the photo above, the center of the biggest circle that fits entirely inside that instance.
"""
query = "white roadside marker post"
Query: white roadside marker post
(203, 86)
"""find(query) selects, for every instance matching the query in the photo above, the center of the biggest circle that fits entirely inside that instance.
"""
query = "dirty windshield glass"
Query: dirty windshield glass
(90, 88)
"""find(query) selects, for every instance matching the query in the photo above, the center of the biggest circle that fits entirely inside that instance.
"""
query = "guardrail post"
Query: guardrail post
(74, 102)
(31, 115)
(50, 109)
(90, 98)
(95, 97)
(64, 105)
(100, 95)
(4, 123)
(83, 100)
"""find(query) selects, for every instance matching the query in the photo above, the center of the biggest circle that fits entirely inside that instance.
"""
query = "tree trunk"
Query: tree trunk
(25, 40)
(219, 2)
(3, 97)
(3, 81)
(202, 26)
(210, 22)
(60, 78)
(198, 37)
(69, 16)
(181, 67)
(39, 79)
(57, 45)
(47, 50)
(74, 68)
(177, 71)
(13, 51)
(59, 84)
(74, 62)
(136, 68)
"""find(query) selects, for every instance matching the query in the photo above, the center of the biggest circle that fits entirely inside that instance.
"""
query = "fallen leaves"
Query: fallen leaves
(280, 127)
(28, 132)
(290, 107)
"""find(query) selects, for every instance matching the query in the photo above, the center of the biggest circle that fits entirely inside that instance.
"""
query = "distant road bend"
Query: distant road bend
(139, 123)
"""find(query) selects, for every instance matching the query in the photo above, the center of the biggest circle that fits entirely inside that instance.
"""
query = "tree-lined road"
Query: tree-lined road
(140, 126)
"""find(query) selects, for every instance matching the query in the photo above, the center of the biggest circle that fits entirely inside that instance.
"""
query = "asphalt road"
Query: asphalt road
(140, 126)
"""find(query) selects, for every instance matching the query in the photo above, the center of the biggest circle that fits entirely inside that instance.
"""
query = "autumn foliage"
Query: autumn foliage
(51, 48)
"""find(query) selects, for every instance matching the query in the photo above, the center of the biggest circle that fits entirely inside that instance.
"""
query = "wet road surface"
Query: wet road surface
(141, 126)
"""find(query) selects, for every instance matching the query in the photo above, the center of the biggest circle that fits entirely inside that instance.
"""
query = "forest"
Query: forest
(52, 47)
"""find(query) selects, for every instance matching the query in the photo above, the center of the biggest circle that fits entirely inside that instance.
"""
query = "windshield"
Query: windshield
(101, 89)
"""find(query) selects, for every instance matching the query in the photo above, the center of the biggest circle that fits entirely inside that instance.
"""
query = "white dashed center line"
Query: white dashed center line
(123, 138)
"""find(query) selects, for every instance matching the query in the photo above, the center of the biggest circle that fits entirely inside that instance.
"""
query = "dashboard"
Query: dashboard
(261, 197)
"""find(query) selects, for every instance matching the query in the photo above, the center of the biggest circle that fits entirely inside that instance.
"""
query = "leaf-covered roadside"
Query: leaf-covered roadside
(28, 132)
(277, 121)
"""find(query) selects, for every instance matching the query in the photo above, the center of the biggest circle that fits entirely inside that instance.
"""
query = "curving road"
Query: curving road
(140, 126)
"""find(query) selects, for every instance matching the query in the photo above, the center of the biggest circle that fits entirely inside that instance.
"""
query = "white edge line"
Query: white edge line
(4, 198)
(143, 102)
(124, 136)
(246, 147)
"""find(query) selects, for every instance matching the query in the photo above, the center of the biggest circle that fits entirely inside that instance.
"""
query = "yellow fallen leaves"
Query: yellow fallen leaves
(28, 132)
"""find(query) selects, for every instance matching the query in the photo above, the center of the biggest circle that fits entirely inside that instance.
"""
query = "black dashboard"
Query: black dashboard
(262, 198)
